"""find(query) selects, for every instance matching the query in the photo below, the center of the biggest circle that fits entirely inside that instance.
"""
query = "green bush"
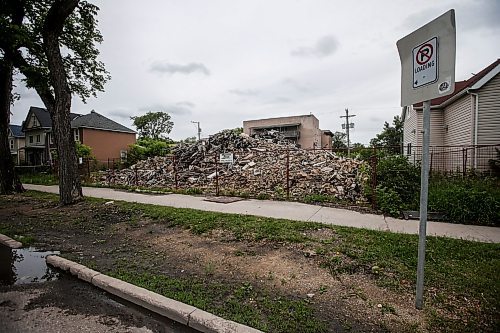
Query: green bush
(397, 174)
(389, 201)
(473, 201)
(145, 148)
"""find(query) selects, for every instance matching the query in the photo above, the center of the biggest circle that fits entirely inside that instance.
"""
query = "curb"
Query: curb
(185, 314)
(9, 242)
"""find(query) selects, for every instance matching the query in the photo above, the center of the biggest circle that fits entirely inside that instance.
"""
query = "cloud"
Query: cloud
(324, 47)
(245, 92)
(170, 68)
(181, 108)
(120, 113)
(469, 16)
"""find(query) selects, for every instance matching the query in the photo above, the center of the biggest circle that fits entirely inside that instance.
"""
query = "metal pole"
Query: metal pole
(347, 116)
(424, 191)
(216, 175)
(347, 131)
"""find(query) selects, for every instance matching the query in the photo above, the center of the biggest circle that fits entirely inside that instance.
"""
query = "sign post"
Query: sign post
(427, 72)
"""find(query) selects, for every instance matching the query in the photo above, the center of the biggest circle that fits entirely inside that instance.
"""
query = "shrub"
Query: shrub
(389, 201)
(398, 174)
(475, 201)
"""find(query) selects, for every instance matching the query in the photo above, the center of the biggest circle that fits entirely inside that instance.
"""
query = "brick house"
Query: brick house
(107, 138)
(467, 120)
(302, 130)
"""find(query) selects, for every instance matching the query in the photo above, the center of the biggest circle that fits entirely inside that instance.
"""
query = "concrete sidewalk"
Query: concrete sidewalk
(294, 211)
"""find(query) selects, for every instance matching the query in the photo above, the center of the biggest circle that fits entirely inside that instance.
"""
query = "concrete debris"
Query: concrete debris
(259, 169)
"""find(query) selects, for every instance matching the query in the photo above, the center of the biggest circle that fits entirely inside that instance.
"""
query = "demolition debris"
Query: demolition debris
(265, 166)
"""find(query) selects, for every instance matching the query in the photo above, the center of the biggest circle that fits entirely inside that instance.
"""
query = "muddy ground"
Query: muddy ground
(68, 305)
(104, 237)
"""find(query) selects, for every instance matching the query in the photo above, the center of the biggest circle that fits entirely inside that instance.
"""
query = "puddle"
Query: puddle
(20, 266)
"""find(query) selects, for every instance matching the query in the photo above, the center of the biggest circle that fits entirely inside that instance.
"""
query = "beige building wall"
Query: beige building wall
(308, 126)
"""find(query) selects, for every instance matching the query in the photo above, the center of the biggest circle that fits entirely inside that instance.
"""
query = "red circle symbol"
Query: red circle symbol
(424, 54)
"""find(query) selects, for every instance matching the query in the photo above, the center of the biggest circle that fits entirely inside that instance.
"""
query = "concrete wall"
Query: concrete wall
(106, 144)
(310, 134)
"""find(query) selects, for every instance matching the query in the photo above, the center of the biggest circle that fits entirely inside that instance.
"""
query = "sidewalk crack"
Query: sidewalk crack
(386, 224)
(316, 212)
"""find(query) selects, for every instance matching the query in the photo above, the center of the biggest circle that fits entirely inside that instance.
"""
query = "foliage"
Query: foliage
(339, 140)
(388, 201)
(391, 136)
(495, 163)
(83, 151)
(86, 75)
(188, 140)
(145, 148)
(154, 125)
(237, 130)
(470, 200)
(398, 174)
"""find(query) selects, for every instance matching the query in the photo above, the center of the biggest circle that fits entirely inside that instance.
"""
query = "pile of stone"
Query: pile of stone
(261, 167)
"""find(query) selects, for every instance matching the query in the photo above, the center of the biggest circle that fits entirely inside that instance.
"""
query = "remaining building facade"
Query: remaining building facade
(107, 138)
(302, 130)
(16, 143)
(470, 117)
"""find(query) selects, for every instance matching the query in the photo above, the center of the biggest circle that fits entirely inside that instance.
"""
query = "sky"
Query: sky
(221, 62)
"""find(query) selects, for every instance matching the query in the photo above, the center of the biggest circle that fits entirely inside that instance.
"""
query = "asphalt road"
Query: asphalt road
(70, 305)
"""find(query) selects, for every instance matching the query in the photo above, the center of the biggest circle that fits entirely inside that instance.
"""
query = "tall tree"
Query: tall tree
(339, 140)
(154, 125)
(47, 26)
(9, 182)
(391, 136)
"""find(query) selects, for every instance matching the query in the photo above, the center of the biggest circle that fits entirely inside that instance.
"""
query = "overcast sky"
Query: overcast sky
(220, 62)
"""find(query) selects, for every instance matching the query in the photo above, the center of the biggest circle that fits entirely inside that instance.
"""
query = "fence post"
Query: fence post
(216, 175)
(464, 161)
(288, 172)
(174, 161)
(374, 178)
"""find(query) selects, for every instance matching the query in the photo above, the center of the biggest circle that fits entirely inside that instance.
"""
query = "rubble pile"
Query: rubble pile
(259, 168)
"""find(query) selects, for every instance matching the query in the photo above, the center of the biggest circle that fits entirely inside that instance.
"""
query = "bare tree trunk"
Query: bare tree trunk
(70, 189)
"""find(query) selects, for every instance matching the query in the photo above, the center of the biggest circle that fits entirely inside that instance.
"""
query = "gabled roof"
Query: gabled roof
(43, 117)
(91, 120)
(98, 121)
(16, 130)
(475, 82)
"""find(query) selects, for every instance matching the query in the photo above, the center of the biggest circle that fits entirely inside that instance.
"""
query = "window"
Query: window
(38, 138)
(11, 144)
(76, 135)
(35, 121)
(31, 138)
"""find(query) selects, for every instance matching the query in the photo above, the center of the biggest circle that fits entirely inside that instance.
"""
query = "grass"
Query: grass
(240, 303)
(39, 179)
(461, 277)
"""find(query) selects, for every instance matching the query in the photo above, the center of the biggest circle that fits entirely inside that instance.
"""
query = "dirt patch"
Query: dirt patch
(102, 235)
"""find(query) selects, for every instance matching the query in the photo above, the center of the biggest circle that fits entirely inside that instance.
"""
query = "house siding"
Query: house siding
(410, 128)
(458, 119)
(106, 144)
(437, 128)
(489, 113)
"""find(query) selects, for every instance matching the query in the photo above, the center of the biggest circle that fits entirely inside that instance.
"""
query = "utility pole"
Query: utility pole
(347, 126)
(199, 129)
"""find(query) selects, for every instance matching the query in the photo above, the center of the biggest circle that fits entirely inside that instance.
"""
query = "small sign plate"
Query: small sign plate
(226, 158)
(425, 63)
